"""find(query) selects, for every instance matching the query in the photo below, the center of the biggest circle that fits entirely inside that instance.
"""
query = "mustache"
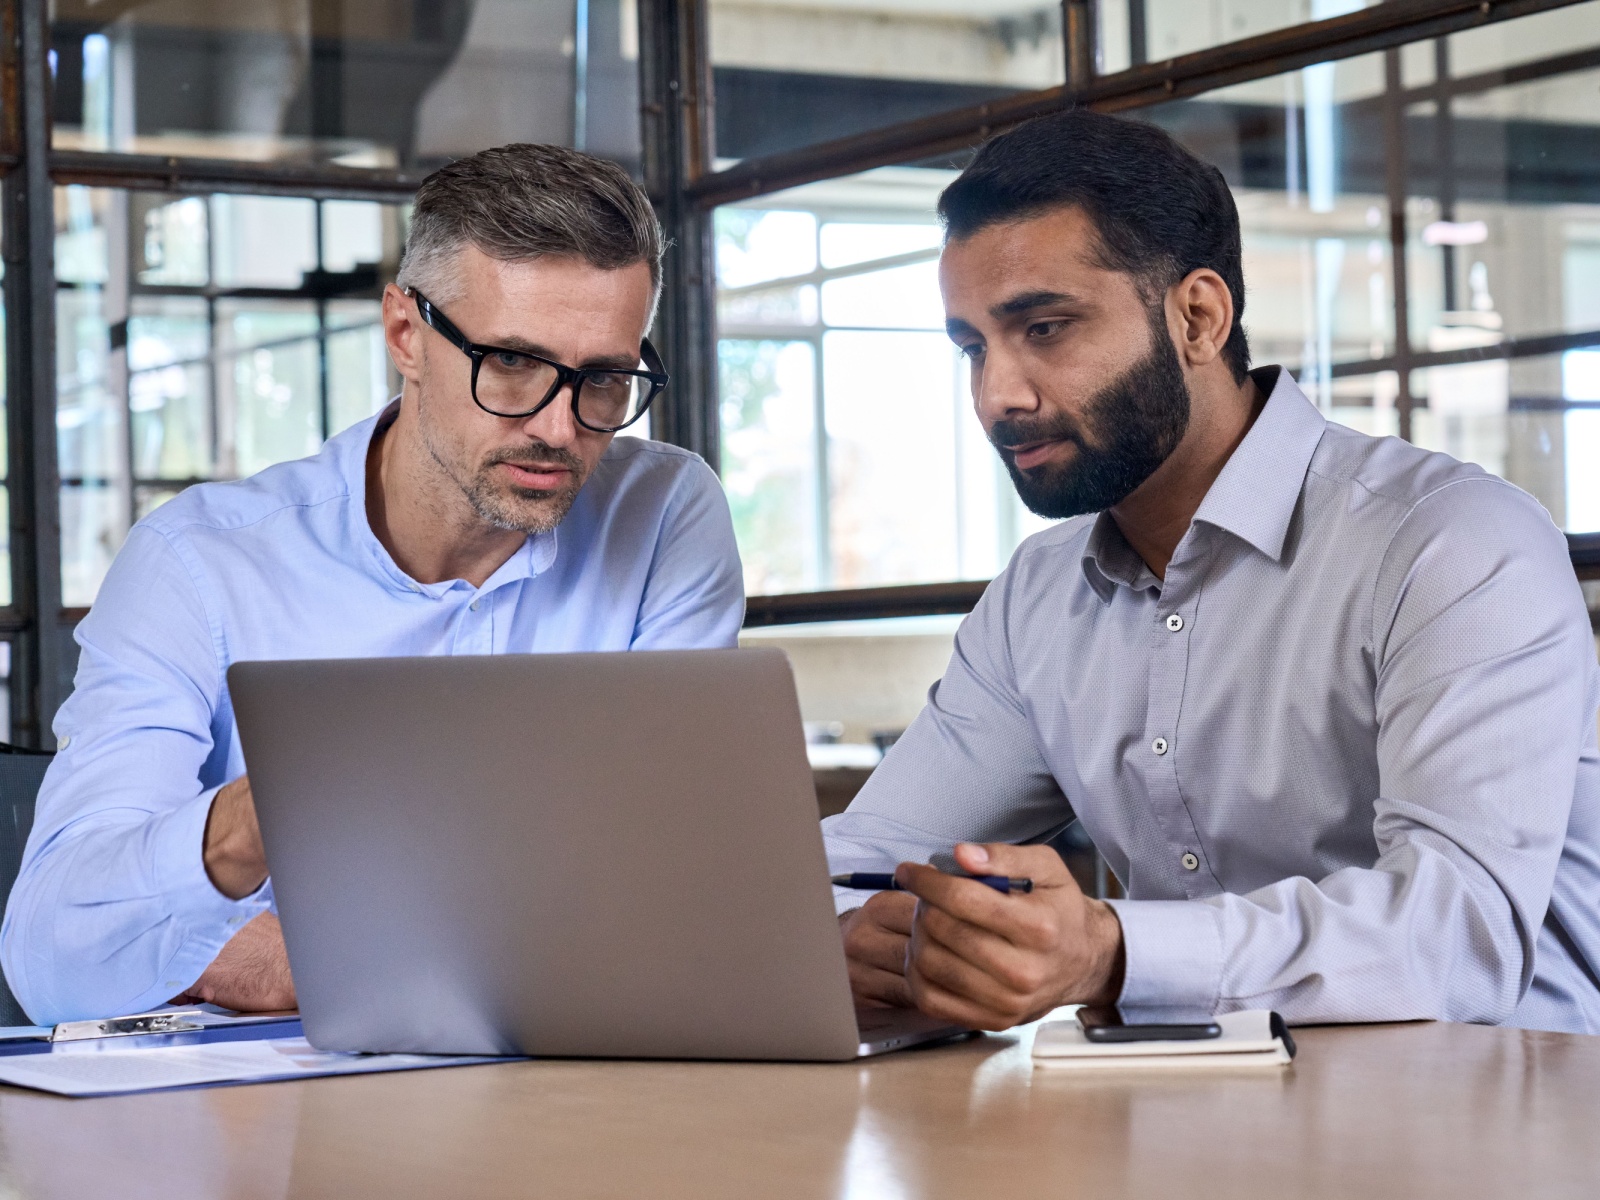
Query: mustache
(1024, 431)
(536, 455)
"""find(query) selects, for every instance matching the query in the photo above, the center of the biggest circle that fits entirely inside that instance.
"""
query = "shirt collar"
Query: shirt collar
(1254, 497)
(349, 451)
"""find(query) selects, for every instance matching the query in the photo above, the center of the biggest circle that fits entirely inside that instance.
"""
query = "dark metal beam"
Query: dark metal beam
(1517, 347)
(1395, 159)
(154, 172)
(1370, 29)
(675, 92)
(40, 664)
(855, 604)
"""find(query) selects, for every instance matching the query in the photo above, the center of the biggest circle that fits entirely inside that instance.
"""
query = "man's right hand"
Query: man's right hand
(234, 857)
(251, 974)
(876, 938)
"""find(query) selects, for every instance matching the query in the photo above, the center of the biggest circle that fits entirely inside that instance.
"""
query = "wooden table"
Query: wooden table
(1449, 1111)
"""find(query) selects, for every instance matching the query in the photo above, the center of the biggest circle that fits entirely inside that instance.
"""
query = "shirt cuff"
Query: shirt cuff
(844, 899)
(1173, 954)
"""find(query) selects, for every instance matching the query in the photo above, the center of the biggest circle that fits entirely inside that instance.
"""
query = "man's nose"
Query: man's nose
(555, 424)
(1002, 390)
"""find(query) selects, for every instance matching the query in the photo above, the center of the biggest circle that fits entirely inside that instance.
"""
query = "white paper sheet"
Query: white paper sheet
(110, 1072)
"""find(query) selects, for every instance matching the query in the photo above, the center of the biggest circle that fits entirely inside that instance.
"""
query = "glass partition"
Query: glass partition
(359, 82)
(792, 74)
(205, 337)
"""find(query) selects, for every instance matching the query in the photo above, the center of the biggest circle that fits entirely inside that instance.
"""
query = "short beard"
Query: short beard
(506, 506)
(1136, 422)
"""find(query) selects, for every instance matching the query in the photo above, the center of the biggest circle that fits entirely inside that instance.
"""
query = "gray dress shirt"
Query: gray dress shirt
(1342, 759)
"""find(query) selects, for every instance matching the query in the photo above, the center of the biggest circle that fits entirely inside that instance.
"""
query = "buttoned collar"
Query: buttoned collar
(1254, 498)
(349, 451)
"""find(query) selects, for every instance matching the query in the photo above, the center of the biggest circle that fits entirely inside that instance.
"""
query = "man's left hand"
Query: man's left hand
(988, 960)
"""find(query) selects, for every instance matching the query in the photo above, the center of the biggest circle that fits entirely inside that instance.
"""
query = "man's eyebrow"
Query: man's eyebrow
(1027, 301)
(956, 327)
(620, 362)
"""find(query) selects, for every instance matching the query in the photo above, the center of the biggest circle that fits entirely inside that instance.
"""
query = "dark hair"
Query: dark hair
(1159, 211)
(522, 202)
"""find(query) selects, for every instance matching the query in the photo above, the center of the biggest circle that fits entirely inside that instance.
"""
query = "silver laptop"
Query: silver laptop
(610, 855)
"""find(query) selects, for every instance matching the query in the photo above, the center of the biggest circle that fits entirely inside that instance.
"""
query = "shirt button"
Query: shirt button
(1174, 622)
(63, 743)
(474, 606)
(1190, 861)
(1159, 745)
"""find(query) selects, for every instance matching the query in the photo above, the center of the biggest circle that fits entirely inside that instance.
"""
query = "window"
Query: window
(205, 337)
(224, 190)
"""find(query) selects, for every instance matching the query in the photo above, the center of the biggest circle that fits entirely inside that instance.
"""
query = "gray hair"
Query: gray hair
(521, 202)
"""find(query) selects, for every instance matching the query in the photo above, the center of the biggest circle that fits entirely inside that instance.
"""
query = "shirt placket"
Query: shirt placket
(1173, 623)
(475, 626)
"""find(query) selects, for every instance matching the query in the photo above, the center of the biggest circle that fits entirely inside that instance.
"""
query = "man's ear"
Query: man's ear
(402, 333)
(1203, 306)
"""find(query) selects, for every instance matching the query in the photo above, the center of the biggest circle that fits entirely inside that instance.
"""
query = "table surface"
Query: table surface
(1420, 1110)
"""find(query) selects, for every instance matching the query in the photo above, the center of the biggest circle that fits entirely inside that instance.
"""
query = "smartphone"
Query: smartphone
(1107, 1025)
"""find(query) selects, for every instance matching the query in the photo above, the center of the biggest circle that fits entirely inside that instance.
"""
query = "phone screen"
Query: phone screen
(1107, 1025)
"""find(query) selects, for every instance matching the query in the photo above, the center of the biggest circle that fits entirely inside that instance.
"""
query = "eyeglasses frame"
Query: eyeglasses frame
(565, 376)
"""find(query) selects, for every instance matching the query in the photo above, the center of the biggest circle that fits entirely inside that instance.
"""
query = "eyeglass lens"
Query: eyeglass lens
(510, 384)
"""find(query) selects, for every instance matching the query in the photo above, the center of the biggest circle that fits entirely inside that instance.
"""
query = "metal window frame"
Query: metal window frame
(677, 110)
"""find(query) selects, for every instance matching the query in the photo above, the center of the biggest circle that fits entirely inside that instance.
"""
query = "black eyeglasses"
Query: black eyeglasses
(514, 383)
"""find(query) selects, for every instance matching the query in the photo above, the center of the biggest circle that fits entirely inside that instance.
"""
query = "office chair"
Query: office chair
(21, 773)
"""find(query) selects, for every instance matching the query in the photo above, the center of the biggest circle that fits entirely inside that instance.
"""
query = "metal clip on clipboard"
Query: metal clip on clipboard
(155, 1022)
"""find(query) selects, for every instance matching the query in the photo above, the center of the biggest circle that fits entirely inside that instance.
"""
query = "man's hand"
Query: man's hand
(251, 974)
(234, 857)
(876, 937)
(991, 961)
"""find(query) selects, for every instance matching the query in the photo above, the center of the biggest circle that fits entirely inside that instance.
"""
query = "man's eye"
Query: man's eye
(974, 351)
(507, 361)
(1046, 329)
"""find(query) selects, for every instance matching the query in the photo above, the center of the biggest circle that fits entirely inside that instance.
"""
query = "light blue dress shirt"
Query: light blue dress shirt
(113, 911)
(1342, 758)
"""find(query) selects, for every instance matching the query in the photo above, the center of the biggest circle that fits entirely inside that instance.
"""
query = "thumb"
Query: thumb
(1038, 863)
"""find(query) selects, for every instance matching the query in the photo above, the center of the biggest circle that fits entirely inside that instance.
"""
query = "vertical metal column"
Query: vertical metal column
(1078, 27)
(40, 663)
(1396, 161)
(677, 130)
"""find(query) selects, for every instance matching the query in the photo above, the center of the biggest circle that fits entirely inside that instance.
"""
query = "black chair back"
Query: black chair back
(21, 773)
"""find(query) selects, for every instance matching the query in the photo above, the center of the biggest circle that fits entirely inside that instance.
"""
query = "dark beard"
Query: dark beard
(1137, 421)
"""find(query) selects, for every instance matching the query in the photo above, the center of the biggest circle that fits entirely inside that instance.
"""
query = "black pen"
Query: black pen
(871, 881)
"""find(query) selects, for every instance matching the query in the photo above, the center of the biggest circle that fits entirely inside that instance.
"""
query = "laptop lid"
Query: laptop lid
(577, 854)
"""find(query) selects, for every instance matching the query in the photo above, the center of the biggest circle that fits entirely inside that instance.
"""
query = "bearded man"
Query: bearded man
(1326, 703)
(487, 510)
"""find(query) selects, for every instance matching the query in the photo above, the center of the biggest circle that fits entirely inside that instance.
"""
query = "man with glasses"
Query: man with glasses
(487, 510)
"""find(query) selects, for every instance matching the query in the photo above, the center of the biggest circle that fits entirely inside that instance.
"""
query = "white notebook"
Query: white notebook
(1248, 1040)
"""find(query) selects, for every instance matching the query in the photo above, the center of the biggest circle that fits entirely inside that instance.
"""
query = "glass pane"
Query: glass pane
(1503, 142)
(263, 241)
(1304, 155)
(169, 387)
(93, 524)
(360, 82)
(768, 392)
(269, 389)
(1534, 421)
(360, 379)
(1140, 31)
(793, 75)
(828, 302)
